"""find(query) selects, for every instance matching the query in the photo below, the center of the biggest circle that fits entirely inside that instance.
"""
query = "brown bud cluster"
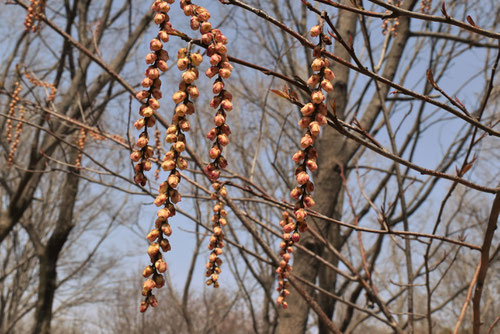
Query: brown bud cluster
(220, 67)
(81, 146)
(52, 90)
(313, 119)
(391, 25)
(36, 10)
(17, 136)
(168, 195)
(217, 239)
(151, 94)
(425, 6)
(12, 109)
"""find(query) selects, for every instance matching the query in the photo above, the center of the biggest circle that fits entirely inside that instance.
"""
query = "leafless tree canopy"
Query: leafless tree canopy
(373, 123)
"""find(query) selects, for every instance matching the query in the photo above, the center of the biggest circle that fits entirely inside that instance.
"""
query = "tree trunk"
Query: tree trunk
(48, 259)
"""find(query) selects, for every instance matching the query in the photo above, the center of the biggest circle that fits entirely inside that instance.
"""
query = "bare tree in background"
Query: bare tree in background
(401, 238)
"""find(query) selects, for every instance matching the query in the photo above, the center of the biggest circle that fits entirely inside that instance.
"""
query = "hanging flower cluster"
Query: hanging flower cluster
(35, 12)
(313, 118)
(393, 23)
(157, 61)
(12, 109)
(17, 136)
(219, 135)
(81, 145)
(217, 239)
(52, 90)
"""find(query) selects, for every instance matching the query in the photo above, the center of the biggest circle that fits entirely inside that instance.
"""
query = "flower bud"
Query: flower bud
(194, 23)
(196, 59)
(304, 122)
(212, 134)
(315, 31)
(163, 214)
(295, 193)
(148, 271)
(159, 201)
(182, 63)
(217, 87)
(150, 58)
(135, 156)
(300, 215)
(153, 249)
(307, 109)
(153, 235)
(207, 38)
(328, 73)
(302, 178)
(298, 156)
(146, 83)
(227, 105)
(306, 141)
(155, 44)
(317, 97)
(314, 128)
(311, 165)
(162, 65)
(166, 229)
(193, 91)
(179, 146)
(205, 27)
(225, 73)
(143, 94)
(163, 55)
(313, 80)
(173, 180)
(222, 139)
(141, 142)
(149, 284)
(327, 85)
(139, 124)
(161, 266)
(159, 18)
(214, 152)
(309, 201)
(317, 64)
(178, 97)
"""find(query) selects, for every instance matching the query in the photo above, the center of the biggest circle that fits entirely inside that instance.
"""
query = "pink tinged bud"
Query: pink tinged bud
(179, 146)
(143, 94)
(284, 305)
(304, 122)
(280, 300)
(188, 10)
(227, 105)
(321, 119)
(162, 65)
(163, 55)
(147, 165)
(225, 73)
(163, 214)
(220, 48)
(314, 128)
(152, 301)
(147, 112)
(205, 27)
(179, 96)
(152, 73)
(153, 235)
(161, 266)
(309, 201)
(148, 271)
(181, 110)
(139, 124)
(153, 250)
(189, 77)
(295, 237)
(225, 129)
(222, 139)
(155, 44)
(207, 38)
(143, 307)
(214, 152)
(159, 18)
(286, 257)
(317, 64)
(215, 59)
(295, 193)
(159, 201)
(211, 71)
(315, 31)
(184, 125)
(135, 156)
(171, 138)
(300, 215)
(327, 85)
(217, 87)
(194, 23)
(196, 59)
(215, 102)
(153, 103)
(313, 80)
(146, 83)
(317, 97)
(150, 58)
(307, 109)
(164, 7)
(302, 178)
(166, 229)
(141, 142)
(226, 64)
(203, 16)
(222, 164)
(212, 134)
(306, 141)
(289, 227)
(311, 165)
(193, 92)
(328, 73)
(298, 156)
(182, 63)
(219, 120)
(173, 181)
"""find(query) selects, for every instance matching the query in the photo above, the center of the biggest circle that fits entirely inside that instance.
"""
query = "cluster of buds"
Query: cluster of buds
(12, 109)
(50, 88)
(158, 151)
(217, 239)
(313, 118)
(393, 23)
(17, 136)
(81, 146)
(157, 61)
(35, 13)
(168, 195)
(425, 6)
(220, 67)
